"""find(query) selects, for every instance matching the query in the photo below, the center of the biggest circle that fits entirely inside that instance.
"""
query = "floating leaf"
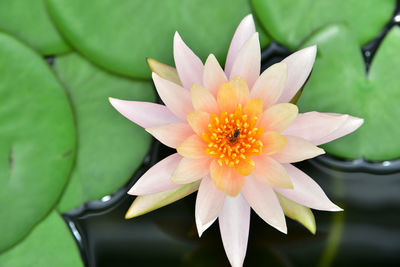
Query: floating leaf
(290, 22)
(119, 36)
(110, 147)
(339, 84)
(37, 140)
(29, 21)
(49, 244)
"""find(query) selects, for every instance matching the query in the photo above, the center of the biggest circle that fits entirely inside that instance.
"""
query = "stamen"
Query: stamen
(233, 137)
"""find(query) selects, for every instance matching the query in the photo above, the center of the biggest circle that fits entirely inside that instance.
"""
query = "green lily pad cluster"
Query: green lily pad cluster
(61, 142)
(339, 82)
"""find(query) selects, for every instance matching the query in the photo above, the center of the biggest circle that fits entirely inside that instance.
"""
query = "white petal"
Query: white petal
(172, 134)
(297, 149)
(208, 204)
(188, 65)
(190, 170)
(269, 86)
(265, 203)
(234, 223)
(314, 126)
(144, 114)
(248, 61)
(306, 191)
(175, 97)
(299, 65)
(157, 178)
(350, 125)
(213, 75)
(243, 32)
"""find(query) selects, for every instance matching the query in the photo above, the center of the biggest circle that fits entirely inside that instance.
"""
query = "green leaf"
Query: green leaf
(120, 35)
(49, 244)
(290, 22)
(28, 20)
(110, 147)
(339, 84)
(37, 140)
(146, 203)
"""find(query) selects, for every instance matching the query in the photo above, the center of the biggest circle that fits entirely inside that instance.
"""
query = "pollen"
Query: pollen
(233, 137)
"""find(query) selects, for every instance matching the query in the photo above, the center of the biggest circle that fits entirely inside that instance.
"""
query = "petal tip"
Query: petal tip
(321, 151)
(129, 215)
(335, 208)
(114, 101)
(132, 191)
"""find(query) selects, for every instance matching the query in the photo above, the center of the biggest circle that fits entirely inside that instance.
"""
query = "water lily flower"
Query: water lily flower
(236, 134)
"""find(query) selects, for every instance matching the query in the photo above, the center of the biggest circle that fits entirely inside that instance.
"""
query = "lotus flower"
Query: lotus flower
(236, 134)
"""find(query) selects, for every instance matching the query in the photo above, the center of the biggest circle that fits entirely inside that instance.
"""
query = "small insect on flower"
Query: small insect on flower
(236, 133)
(234, 136)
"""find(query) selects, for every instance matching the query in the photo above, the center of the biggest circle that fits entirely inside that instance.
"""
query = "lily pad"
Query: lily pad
(120, 35)
(37, 140)
(29, 21)
(110, 147)
(339, 84)
(49, 244)
(290, 22)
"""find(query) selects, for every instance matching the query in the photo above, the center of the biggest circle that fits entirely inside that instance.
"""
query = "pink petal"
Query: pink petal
(243, 32)
(350, 125)
(297, 149)
(199, 121)
(313, 126)
(157, 178)
(172, 134)
(209, 202)
(234, 223)
(144, 114)
(270, 84)
(320, 128)
(213, 75)
(279, 117)
(193, 147)
(203, 100)
(269, 171)
(299, 65)
(188, 65)
(190, 170)
(306, 191)
(175, 97)
(265, 203)
(248, 61)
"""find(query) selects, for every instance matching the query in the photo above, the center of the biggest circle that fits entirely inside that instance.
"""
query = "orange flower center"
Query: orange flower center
(233, 137)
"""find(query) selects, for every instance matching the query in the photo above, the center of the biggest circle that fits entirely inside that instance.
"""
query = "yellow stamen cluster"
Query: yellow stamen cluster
(233, 137)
